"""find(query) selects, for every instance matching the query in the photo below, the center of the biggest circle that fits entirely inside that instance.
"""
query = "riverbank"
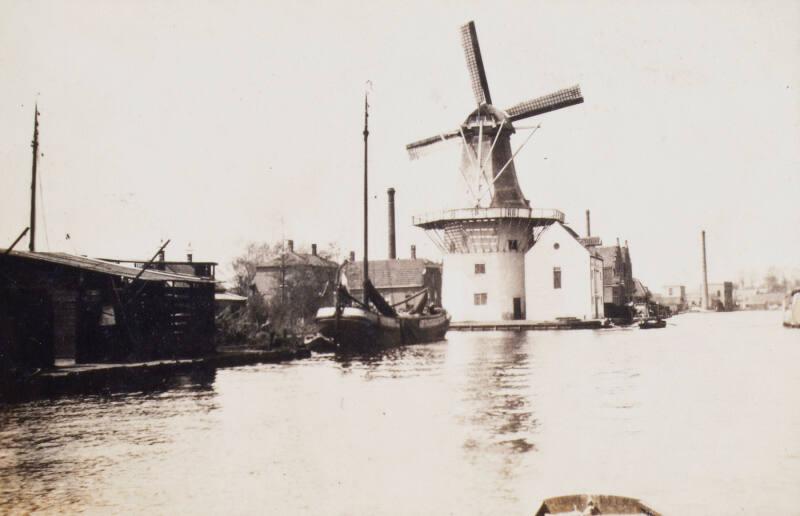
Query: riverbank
(105, 378)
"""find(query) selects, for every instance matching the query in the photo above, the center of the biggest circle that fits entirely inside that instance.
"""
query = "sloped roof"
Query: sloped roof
(609, 254)
(639, 289)
(292, 259)
(99, 266)
(571, 232)
(389, 273)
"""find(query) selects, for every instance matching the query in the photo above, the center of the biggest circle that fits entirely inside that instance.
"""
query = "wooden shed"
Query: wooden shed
(62, 306)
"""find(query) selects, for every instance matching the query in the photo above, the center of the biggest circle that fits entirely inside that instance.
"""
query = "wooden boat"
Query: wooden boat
(371, 323)
(353, 324)
(652, 323)
(594, 504)
(791, 309)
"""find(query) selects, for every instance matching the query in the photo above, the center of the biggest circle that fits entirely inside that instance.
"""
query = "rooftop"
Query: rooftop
(389, 273)
(293, 259)
(102, 267)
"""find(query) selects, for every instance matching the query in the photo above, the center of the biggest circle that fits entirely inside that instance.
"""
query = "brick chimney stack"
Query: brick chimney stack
(588, 224)
(314, 249)
(290, 245)
(413, 252)
(352, 256)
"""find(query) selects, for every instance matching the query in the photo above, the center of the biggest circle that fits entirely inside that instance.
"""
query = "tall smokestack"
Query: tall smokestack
(352, 256)
(413, 252)
(588, 224)
(392, 247)
(313, 249)
(705, 271)
(290, 245)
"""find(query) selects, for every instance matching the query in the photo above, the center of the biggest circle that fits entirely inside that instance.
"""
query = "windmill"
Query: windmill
(484, 244)
(487, 161)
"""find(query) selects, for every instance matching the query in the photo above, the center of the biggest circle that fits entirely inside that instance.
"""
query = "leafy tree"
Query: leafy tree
(244, 266)
(300, 296)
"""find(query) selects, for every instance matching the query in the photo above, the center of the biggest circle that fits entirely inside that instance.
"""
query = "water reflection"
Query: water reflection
(55, 454)
(485, 423)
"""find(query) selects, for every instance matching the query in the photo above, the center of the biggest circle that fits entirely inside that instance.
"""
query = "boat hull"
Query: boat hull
(359, 329)
(651, 324)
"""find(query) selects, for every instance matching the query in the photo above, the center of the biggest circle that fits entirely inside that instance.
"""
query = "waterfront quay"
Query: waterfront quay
(697, 418)
(570, 324)
(104, 379)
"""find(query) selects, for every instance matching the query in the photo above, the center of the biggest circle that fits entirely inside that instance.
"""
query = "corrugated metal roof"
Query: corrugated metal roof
(99, 266)
(389, 273)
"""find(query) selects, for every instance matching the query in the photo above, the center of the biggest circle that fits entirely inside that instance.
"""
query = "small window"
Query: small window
(556, 277)
(670, 292)
(480, 268)
(513, 245)
(479, 299)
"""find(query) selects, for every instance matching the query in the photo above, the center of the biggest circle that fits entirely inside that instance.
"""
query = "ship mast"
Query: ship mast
(35, 145)
(365, 276)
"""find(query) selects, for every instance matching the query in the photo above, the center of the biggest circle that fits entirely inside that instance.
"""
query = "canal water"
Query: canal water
(702, 417)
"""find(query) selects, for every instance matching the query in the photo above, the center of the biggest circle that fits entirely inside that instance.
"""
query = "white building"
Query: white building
(562, 277)
(483, 275)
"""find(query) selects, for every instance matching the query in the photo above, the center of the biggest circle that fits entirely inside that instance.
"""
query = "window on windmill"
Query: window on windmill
(556, 277)
(480, 268)
(479, 299)
(513, 245)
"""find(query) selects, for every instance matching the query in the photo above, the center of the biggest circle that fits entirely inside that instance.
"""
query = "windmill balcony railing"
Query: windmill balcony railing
(487, 213)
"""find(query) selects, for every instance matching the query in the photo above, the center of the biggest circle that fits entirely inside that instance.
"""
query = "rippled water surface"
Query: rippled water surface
(702, 417)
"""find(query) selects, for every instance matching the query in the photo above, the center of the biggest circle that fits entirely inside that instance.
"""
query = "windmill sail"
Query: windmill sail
(560, 99)
(472, 51)
(416, 149)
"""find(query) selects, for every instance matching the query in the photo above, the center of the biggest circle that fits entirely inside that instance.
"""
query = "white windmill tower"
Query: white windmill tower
(484, 245)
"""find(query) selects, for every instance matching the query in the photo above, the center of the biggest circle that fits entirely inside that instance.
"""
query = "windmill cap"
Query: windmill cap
(487, 111)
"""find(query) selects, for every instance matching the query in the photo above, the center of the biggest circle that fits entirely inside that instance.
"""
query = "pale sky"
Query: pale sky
(222, 123)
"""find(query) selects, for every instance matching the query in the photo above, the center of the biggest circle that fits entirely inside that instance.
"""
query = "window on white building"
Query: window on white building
(479, 299)
(480, 268)
(556, 277)
(513, 245)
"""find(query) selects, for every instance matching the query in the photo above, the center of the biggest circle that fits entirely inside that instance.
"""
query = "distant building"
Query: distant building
(673, 297)
(189, 266)
(563, 278)
(228, 301)
(757, 299)
(292, 273)
(721, 296)
(397, 280)
(618, 282)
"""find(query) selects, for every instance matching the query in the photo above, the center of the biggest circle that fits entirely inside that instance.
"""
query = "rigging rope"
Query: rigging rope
(42, 204)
